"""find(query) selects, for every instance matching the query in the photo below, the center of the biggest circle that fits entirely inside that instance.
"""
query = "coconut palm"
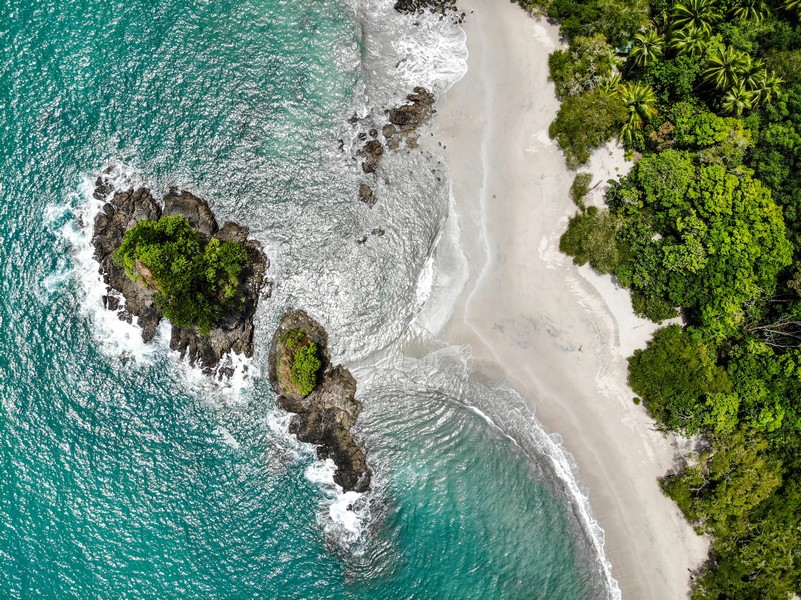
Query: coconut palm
(725, 66)
(689, 40)
(700, 14)
(646, 48)
(754, 10)
(640, 100)
(737, 99)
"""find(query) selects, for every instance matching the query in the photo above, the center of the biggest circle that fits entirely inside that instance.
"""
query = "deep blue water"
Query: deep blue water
(124, 473)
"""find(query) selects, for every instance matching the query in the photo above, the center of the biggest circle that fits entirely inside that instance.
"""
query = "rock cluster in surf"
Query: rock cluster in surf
(126, 208)
(403, 123)
(325, 416)
(435, 7)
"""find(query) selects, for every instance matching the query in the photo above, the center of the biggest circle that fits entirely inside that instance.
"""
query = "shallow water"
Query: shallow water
(124, 471)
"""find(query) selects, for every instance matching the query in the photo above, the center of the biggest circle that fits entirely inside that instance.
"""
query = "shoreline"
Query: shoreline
(561, 333)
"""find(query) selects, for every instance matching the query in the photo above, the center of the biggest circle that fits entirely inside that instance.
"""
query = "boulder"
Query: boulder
(366, 194)
(196, 211)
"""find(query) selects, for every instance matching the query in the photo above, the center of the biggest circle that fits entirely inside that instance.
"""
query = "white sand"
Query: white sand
(561, 333)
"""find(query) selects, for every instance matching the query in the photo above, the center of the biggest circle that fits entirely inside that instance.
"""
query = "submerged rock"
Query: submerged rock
(234, 332)
(326, 415)
(366, 194)
(373, 150)
(439, 7)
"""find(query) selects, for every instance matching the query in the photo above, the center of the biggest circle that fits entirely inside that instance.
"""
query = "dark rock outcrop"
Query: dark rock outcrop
(442, 8)
(366, 194)
(373, 150)
(404, 121)
(325, 416)
(412, 115)
(125, 209)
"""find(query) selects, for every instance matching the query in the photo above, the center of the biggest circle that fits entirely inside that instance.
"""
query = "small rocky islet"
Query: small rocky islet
(234, 329)
(326, 415)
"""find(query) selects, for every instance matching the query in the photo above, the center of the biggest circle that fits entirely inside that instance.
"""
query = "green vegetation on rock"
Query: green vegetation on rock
(194, 281)
(299, 364)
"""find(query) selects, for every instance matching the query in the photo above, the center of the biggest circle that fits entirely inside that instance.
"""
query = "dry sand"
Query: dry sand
(561, 333)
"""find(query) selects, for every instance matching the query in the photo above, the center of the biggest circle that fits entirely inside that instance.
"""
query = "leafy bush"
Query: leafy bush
(586, 122)
(580, 188)
(305, 365)
(301, 355)
(590, 237)
(194, 281)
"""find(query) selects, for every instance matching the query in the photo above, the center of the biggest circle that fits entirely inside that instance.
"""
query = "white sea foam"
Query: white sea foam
(226, 437)
(113, 336)
(404, 51)
(344, 513)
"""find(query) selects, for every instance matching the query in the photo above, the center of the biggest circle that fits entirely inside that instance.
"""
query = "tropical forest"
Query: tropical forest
(705, 232)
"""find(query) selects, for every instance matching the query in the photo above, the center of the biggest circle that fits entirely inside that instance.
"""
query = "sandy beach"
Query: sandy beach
(561, 333)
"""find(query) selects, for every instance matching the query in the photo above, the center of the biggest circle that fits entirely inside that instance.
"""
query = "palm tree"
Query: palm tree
(700, 14)
(725, 66)
(689, 40)
(640, 100)
(646, 48)
(608, 85)
(765, 86)
(750, 9)
(737, 99)
(751, 71)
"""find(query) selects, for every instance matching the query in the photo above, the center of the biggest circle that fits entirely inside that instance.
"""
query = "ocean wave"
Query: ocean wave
(449, 374)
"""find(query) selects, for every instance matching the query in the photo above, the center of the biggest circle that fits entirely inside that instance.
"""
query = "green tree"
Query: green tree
(590, 237)
(579, 69)
(718, 240)
(689, 40)
(675, 375)
(640, 101)
(738, 99)
(585, 122)
(753, 10)
(725, 66)
(193, 281)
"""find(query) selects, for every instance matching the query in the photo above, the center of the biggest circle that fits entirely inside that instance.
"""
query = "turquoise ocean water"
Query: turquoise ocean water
(126, 474)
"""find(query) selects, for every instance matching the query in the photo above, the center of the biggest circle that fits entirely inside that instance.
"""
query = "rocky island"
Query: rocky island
(322, 397)
(172, 260)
